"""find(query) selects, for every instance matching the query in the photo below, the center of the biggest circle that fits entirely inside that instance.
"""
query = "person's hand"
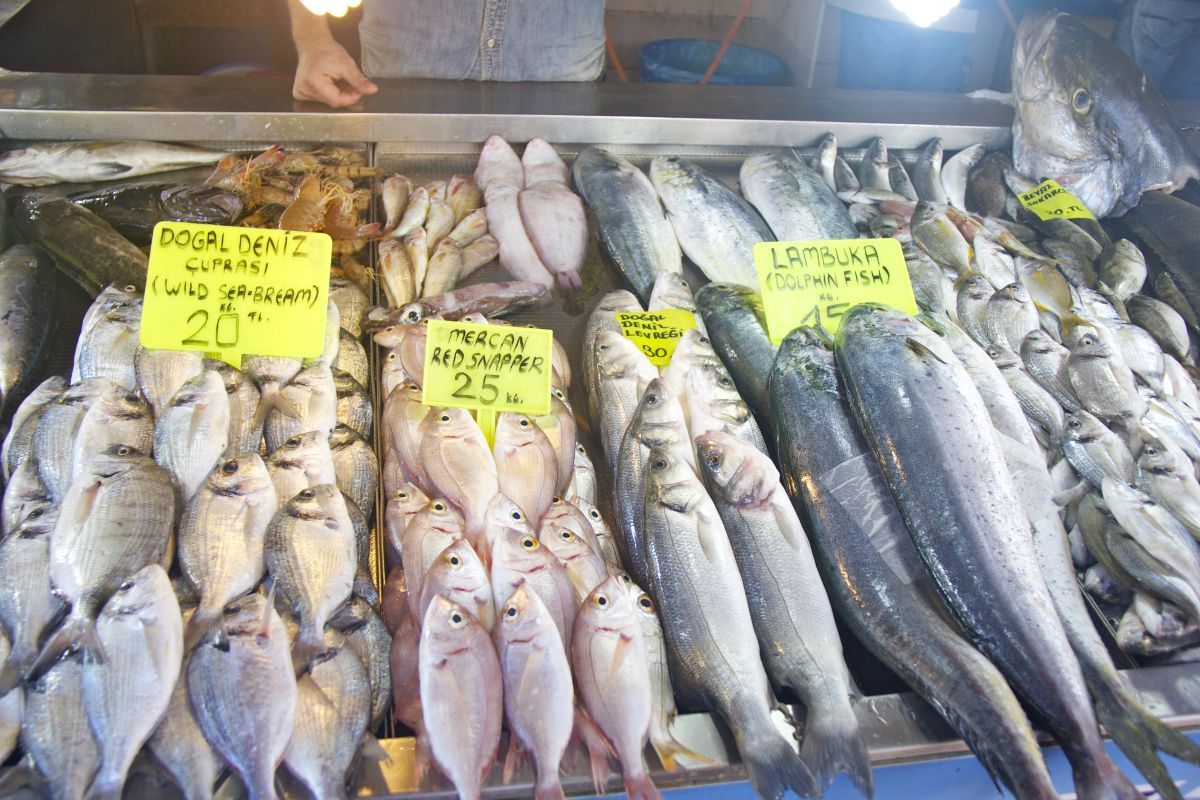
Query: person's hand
(327, 74)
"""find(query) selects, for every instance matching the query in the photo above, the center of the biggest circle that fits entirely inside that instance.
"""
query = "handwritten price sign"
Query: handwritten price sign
(1049, 201)
(816, 283)
(656, 333)
(488, 367)
(229, 291)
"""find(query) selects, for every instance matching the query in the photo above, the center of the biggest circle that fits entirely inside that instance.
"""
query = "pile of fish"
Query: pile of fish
(148, 461)
(506, 595)
(537, 220)
(704, 524)
(434, 237)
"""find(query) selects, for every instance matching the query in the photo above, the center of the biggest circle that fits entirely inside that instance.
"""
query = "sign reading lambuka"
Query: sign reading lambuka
(922, 13)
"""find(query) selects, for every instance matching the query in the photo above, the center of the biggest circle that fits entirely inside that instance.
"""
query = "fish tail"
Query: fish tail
(23, 773)
(77, 631)
(1140, 734)
(668, 748)
(14, 669)
(833, 744)
(197, 626)
(774, 767)
(106, 786)
(551, 789)
(310, 643)
(1098, 778)
(641, 788)
(273, 398)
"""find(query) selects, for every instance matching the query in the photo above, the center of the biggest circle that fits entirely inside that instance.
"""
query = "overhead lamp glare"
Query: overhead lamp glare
(923, 13)
(333, 8)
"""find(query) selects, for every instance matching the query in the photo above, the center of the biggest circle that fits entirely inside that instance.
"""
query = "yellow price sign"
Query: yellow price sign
(231, 291)
(488, 367)
(816, 283)
(656, 333)
(1049, 201)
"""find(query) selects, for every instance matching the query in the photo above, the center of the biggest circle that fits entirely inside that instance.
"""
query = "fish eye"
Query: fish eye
(292, 442)
(126, 586)
(556, 501)
(230, 610)
(133, 397)
(516, 516)
(438, 507)
(645, 602)
(1074, 424)
(401, 494)
(124, 451)
(129, 287)
(412, 387)
(307, 494)
(659, 463)
(229, 467)
(510, 612)
(581, 450)
(456, 618)
(558, 393)
(444, 418)
(37, 512)
(454, 560)
(601, 601)
(723, 381)
(392, 356)
(529, 543)
(1081, 101)
(652, 399)
(566, 535)
(602, 347)
(703, 339)
(714, 461)
(594, 514)
(524, 423)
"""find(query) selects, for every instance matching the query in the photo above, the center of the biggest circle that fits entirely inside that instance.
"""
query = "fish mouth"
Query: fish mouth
(1033, 40)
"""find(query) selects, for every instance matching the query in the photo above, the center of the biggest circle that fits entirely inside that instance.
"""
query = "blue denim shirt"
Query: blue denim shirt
(483, 40)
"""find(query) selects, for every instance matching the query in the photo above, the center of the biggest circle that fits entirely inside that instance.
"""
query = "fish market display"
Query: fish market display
(1088, 117)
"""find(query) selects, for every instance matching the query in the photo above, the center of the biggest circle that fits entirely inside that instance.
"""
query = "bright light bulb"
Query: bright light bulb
(924, 13)
(334, 8)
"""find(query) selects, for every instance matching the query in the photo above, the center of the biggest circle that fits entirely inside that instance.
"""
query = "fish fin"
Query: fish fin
(624, 640)
(1098, 778)
(110, 168)
(23, 773)
(641, 788)
(310, 643)
(512, 758)
(551, 791)
(13, 671)
(78, 630)
(774, 767)
(364, 586)
(271, 587)
(197, 626)
(833, 744)
(1139, 734)
(599, 750)
(272, 397)
(370, 748)
(921, 350)
(671, 748)
(997, 97)
(105, 786)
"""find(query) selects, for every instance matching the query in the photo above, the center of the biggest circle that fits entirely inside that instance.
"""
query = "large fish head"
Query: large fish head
(742, 475)
(564, 543)
(344, 436)
(249, 615)
(460, 566)
(116, 459)
(517, 430)
(452, 423)
(407, 499)
(321, 502)
(620, 300)
(672, 291)
(658, 414)
(609, 609)
(39, 520)
(1157, 456)
(693, 346)
(1003, 357)
(1082, 427)
(442, 516)
(524, 619)
(974, 287)
(618, 358)
(307, 450)
(808, 353)
(670, 481)
(519, 553)
(449, 630)
(120, 404)
(200, 390)
(243, 474)
(671, 171)
(1088, 116)
(141, 594)
(1090, 345)
(503, 513)
(201, 203)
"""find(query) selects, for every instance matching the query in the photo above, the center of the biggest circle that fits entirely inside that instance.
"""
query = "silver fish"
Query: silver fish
(402, 504)
(1160, 321)
(12, 708)
(623, 374)
(355, 466)
(126, 695)
(85, 162)
(1011, 315)
(108, 348)
(585, 567)
(1037, 403)
(246, 656)
(221, 537)
(27, 294)
(354, 407)
(55, 732)
(18, 442)
(23, 494)
(302, 461)
(602, 319)
(352, 358)
(794, 200)
(245, 434)
(54, 437)
(118, 416)
(1095, 451)
(583, 475)
(1046, 362)
(193, 432)
(179, 746)
(122, 506)
(27, 602)
(714, 404)
(1167, 475)
(313, 395)
(934, 233)
(687, 549)
(270, 374)
(974, 292)
(162, 373)
(873, 171)
(1103, 384)
(368, 636)
(311, 553)
(927, 172)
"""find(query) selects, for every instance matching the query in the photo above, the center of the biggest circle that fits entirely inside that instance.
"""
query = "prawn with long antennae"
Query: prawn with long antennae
(306, 212)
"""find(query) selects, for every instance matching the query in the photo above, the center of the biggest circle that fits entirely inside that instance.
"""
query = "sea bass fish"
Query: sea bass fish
(83, 162)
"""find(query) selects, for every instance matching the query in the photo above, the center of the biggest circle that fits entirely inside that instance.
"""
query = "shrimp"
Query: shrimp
(307, 208)
(342, 214)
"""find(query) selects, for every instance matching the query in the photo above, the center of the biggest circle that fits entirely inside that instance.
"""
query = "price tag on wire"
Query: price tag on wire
(229, 291)
(488, 368)
(1049, 201)
(816, 283)
(656, 333)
